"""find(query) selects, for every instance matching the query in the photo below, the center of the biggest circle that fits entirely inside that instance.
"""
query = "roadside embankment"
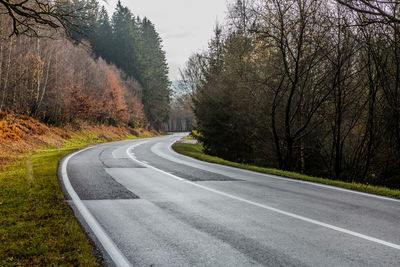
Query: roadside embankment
(37, 228)
(20, 135)
(196, 151)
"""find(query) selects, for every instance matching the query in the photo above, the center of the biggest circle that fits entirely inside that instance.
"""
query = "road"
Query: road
(145, 205)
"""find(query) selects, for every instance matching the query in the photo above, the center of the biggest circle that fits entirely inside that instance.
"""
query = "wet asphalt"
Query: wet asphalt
(209, 215)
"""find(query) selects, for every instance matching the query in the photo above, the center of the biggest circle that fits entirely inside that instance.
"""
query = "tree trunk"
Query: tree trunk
(276, 137)
(302, 156)
(288, 164)
(7, 74)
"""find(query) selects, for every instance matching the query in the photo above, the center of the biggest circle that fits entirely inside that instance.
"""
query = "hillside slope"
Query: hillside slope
(22, 134)
(37, 227)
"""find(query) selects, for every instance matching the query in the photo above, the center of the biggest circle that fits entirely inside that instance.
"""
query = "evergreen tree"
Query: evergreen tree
(83, 21)
(154, 75)
(125, 40)
(102, 38)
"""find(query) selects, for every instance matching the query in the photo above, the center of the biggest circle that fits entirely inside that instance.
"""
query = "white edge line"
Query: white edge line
(285, 179)
(289, 214)
(116, 255)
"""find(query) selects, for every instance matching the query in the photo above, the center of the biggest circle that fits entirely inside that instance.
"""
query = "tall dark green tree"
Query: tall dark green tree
(83, 18)
(154, 75)
(101, 39)
(125, 40)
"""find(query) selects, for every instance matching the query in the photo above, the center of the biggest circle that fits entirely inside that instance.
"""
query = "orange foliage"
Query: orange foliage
(136, 109)
(80, 105)
(113, 106)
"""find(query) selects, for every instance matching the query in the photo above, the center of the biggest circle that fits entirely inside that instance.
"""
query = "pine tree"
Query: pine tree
(83, 21)
(125, 40)
(102, 39)
(154, 75)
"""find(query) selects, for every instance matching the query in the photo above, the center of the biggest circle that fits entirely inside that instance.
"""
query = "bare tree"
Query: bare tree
(293, 31)
(30, 17)
(377, 10)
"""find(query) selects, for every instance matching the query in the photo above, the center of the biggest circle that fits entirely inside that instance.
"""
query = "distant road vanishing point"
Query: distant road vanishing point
(145, 205)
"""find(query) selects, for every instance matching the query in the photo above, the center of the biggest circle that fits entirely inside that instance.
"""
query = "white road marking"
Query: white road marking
(116, 255)
(289, 214)
(198, 166)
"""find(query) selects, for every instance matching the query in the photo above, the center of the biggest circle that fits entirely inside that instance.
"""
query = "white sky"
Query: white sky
(186, 26)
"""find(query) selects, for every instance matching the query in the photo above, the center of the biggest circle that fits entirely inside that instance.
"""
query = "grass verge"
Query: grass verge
(189, 138)
(196, 151)
(37, 227)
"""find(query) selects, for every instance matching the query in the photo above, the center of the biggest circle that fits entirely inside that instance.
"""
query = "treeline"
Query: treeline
(181, 117)
(303, 85)
(85, 73)
(133, 45)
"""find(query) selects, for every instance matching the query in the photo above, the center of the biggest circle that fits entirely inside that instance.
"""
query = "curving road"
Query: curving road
(145, 205)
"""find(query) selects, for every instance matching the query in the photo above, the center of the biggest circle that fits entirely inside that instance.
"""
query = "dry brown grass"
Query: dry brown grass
(22, 134)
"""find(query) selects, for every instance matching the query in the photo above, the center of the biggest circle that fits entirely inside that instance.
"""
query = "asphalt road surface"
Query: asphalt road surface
(145, 205)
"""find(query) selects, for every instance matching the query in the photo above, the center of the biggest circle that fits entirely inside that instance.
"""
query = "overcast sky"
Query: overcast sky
(185, 26)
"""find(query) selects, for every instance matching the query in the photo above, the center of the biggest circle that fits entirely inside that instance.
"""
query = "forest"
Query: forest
(311, 86)
(303, 85)
(63, 62)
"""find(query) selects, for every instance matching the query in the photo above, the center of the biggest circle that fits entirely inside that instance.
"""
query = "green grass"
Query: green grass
(196, 151)
(189, 137)
(37, 228)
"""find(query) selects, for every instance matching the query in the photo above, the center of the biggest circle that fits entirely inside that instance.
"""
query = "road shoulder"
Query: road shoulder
(195, 151)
